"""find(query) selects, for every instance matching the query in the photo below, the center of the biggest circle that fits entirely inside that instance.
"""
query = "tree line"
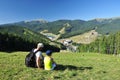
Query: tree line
(109, 44)
(11, 42)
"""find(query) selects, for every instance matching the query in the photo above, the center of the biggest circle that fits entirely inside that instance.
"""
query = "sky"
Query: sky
(51, 10)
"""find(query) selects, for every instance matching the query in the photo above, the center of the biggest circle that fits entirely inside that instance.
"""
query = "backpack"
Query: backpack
(30, 60)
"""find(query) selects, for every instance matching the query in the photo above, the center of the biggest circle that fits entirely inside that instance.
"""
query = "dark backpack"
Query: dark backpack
(30, 60)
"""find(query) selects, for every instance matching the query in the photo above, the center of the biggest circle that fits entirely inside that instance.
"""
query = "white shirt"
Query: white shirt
(38, 54)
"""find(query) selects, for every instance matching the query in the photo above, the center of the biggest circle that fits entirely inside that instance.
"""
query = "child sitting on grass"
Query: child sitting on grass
(49, 63)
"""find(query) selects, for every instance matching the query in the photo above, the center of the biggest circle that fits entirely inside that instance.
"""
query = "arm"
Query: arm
(38, 62)
(53, 64)
(38, 59)
(53, 61)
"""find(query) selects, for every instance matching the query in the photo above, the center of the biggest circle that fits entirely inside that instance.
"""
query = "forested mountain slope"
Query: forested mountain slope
(20, 38)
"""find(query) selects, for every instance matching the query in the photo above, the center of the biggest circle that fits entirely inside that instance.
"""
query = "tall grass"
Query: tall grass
(71, 66)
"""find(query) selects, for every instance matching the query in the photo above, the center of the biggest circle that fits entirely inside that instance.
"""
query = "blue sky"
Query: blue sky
(51, 10)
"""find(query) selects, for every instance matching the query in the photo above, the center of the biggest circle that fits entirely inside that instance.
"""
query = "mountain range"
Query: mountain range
(69, 28)
(73, 27)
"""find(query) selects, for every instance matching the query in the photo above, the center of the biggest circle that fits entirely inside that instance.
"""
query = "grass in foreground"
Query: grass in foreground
(71, 66)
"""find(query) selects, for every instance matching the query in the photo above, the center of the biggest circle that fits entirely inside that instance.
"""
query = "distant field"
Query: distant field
(71, 66)
(85, 38)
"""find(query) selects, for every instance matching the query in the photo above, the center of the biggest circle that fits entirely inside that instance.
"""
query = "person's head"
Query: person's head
(49, 52)
(40, 45)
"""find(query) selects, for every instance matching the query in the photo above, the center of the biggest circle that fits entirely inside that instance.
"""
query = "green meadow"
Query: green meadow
(71, 66)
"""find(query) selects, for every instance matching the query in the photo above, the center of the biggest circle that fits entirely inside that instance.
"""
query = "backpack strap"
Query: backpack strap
(35, 51)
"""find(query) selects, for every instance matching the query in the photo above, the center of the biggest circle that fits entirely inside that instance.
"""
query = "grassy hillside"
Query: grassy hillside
(72, 66)
(85, 38)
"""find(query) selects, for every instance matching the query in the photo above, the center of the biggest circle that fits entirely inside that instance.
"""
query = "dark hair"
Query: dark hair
(49, 52)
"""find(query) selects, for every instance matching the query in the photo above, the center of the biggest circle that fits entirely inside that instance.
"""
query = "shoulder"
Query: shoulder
(38, 54)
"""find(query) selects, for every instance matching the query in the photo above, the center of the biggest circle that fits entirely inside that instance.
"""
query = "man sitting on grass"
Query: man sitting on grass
(39, 56)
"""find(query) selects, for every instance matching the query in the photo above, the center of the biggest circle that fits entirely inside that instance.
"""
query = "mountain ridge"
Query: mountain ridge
(102, 26)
